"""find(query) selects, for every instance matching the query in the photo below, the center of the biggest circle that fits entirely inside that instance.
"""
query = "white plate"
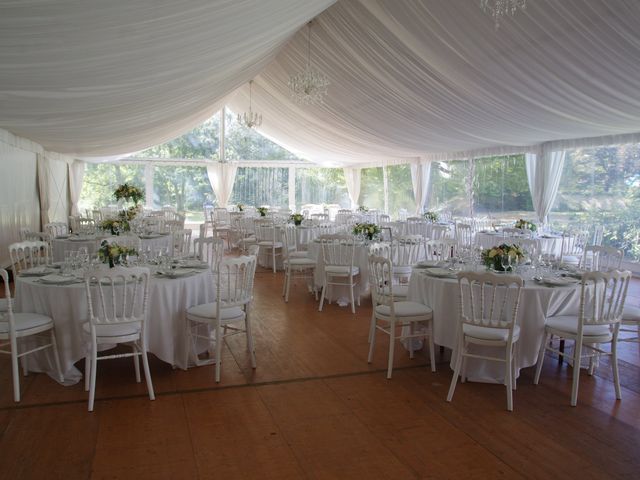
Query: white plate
(193, 264)
(427, 264)
(57, 279)
(558, 282)
(177, 273)
(439, 272)
(37, 271)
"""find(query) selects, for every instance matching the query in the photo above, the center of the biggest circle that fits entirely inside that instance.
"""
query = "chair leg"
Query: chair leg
(432, 348)
(353, 305)
(25, 369)
(392, 347)
(372, 337)
(250, 346)
(324, 290)
(508, 379)
(513, 367)
(15, 370)
(92, 381)
(136, 362)
(372, 325)
(411, 332)
(284, 285)
(273, 258)
(219, 340)
(541, 353)
(147, 372)
(456, 371)
(463, 371)
(614, 365)
(577, 355)
(287, 281)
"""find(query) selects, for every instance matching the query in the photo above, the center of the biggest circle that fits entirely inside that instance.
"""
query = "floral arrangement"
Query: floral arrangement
(129, 192)
(121, 222)
(114, 254)
(240, 207)
(431, 216)
(296, 218)
(524, 225)
(362, 209)
(262, 211)
(491, 257)
(369, 230)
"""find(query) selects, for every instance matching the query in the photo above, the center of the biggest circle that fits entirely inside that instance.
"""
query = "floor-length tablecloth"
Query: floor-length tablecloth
(536, 302)
(169, 300)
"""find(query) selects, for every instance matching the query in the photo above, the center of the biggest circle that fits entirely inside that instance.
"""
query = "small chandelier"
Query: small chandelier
(501, 8)
(309, 86)
(250, 119)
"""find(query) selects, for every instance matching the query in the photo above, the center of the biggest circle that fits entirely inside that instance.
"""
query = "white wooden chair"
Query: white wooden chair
(440, 250)
(267, 240)
(439, 232)
(602, 298)
(234, 294)
(56, 229)
(630, 324)
(296, 264)
(117, 299)
(406, 251)
(210, 250)
(597, 258)
(85, 225)
(16, 326)
(319, 218)
(28, 254)
(464, 235)
(417, 226)
(181, 243)
(531, 247)
(338, 253)
(573, 246)
(488, 313)
(390, 314)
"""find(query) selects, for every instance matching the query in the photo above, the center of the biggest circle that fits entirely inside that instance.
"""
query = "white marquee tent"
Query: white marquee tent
(411, 81)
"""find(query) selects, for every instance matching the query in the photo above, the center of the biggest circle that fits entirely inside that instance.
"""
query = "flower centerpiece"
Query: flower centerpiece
(296, 218)
(369, 230)
(114, 254)
(240, 207)
(431, 216)
(129, 192)
(262, 211)
(524, 225)
(492, 257)
(362, 209)
(122, 222)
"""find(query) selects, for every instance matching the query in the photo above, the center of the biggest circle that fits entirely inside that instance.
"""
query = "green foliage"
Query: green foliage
(101, 179)
(202, 142)
(186, 188)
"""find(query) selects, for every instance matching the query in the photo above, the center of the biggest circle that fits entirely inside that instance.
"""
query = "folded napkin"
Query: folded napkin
(37, 271)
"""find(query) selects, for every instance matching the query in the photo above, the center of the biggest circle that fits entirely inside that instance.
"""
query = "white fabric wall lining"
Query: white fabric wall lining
(544, 172)
(222, 177)
(420, 180)
(352, 177)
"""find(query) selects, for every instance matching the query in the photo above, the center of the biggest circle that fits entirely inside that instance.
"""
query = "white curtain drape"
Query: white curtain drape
(222, 177)
(420, 180)
(352, 178)
(43, 188)
(76, 177)
(544, 172)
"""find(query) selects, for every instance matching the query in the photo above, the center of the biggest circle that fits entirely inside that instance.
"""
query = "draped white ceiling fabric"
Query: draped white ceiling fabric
(410, 79)
(434, 79)
(111, 77)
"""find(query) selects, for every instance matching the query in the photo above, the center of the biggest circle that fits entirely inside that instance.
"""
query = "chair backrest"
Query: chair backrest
(489, 299)
(602, 297)
(154, 224)
(381, 281)
(440, 250)
(320, 217)
(439, 232)
(85, 225)
(384, 218)
(464, 235)
(407, 250)
(182, 242)
(28, 254)
(338, 250)
(265, 230)
(531, 246)
(380, 249)
(96, 214)
(598, 234)
(7, 294)
(417, 226)
(573, 244)
(56, 229)
(597, 258)
(235, 281)
(221, 215)
(210, 250)
(117, 295)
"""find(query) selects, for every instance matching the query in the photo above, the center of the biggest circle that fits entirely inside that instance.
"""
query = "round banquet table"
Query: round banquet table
(536, 302)
(59, 246)
(166, 325)
(548, 242)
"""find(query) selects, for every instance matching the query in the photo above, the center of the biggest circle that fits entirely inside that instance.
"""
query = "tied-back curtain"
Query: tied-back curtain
(420, 177)
(76, 177)
(43, 188)
(222, 177)
(544, 172)
(352, 178)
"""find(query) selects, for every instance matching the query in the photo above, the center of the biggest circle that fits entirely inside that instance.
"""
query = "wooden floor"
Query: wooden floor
(314, 408)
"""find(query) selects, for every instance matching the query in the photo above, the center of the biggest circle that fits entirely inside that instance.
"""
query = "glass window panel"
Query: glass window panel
(185, 188)
(400, 189)
(448, 187)
(372, 188)
(101, 179)
(601, 186)
(321, 186)
(261, 186)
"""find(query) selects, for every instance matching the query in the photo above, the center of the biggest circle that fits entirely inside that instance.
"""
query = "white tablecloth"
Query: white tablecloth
(536, 302)
(360, 260)
(169, 300)
(59, 245)
(549, 243)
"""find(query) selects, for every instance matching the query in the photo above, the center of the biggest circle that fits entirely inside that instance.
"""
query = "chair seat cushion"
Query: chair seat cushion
(26, 321)
(569, 324)
(268, 243)
(631, 314)
(341, 270)
(405, 309)
(301, 262)
(116, 330)
(207, 312)
(298, 254)
(486, 333)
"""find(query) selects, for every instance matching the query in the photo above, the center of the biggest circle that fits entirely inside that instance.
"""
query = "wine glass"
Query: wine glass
(505, 261)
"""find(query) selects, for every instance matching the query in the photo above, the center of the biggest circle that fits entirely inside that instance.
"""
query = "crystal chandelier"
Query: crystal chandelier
(501, 8)
(309, 86)
(250, 119)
